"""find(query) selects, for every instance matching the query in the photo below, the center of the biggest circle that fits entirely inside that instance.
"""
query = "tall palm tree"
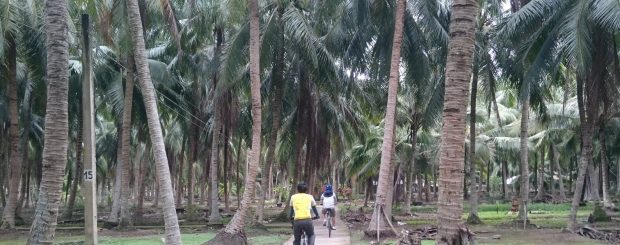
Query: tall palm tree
(579, 32)
(15, 157)
(56, 122)
(124, 162)
(173, 234)
(234, 231)
(388, 136)
(458, 74)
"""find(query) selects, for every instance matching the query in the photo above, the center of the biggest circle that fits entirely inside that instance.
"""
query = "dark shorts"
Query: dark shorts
(331, 210)
(300, 226)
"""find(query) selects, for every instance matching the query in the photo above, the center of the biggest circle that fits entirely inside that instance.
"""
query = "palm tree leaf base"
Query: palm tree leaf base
(384, 232)
(224, 238)
(473, 219)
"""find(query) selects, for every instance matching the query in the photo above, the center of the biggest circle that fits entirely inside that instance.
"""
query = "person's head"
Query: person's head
(328, 190)
(302, 188)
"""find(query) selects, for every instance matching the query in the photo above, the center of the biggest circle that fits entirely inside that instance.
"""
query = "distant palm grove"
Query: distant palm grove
(212, 111)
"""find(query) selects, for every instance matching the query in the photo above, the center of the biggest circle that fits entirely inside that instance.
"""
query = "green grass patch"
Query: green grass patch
(541, 214)
(188, 239)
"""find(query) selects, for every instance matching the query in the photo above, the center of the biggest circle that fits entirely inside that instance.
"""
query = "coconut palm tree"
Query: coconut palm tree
(173, 234)
(56, 122)
(584, 45)
(390, 115)
(234, 231)
(9, 72)
(458, 73)
(125, 144)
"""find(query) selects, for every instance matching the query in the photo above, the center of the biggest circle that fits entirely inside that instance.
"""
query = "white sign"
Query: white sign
(88, 175)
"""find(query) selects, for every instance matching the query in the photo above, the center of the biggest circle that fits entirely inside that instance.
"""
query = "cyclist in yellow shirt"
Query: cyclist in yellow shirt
(301, 206)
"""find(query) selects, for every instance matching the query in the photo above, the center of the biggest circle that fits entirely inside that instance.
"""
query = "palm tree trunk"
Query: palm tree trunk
(458, 75)
(504, 175)
(226, 160)
(139, 159)
(618, 178)
(214, 216)
(78, 170)
(389, 196)
(15, 166)
(179, 190)
(556, 162)
(278, 74)
(605, 165)
(125, 138)
(388, 134)
(205, 174)
(116, 195)
(238, 179)
(156, 199)
(173, 234)
(234, 231)
(473, 183)
(586, 153)
(540, 186)
(27, 119)
(194, 138)
(56, 122)
(411, 169)
(524, 180)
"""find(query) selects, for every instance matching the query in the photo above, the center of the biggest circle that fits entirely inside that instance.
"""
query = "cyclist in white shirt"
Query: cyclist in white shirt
(328, 199)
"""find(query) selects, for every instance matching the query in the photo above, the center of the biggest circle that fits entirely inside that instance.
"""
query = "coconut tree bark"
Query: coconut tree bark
(78, 170)
(56, 122)
(15, 161)
(592, 180)
(586, 152)
(390, 190)
(504, 177)
(524, 180)
(411, 168)
(452, 153)
(194, 136)
(234, 231)
(173, 234)
(118, 173)
(214, 216)
(473, 183)
(556, 162)
(273, 137)
(214, 211)
(141, 183)
(388, 134)
(278, 76)
(540, 186)
(179, 186)
(618, 178)
(125, 219)
(588, 117)
(605, 165)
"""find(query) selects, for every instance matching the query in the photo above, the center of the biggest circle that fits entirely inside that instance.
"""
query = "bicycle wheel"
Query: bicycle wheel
(329, 224)
(304, 239)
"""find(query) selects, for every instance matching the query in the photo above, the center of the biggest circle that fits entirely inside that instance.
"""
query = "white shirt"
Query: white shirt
(328, 202)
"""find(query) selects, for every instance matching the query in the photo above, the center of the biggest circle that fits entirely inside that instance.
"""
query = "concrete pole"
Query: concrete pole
(89, 185)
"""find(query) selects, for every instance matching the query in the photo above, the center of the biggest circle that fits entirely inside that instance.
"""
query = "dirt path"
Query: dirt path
(341, 236)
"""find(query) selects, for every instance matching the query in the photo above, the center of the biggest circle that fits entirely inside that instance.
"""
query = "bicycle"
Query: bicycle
(304, 239)
(329, 223)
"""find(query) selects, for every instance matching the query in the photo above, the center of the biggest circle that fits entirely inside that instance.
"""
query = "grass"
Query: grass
(188, 239)
(541, 214)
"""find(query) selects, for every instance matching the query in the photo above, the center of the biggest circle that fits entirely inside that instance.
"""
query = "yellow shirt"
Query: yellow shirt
(302, 205)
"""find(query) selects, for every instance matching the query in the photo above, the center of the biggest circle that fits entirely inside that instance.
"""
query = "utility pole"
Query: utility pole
(89, 185)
